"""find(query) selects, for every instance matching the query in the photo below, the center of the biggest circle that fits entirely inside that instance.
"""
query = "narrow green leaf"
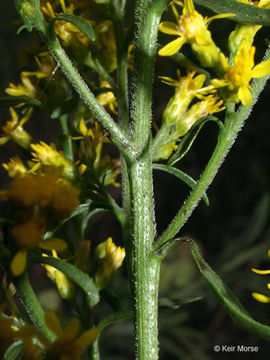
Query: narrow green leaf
(13, 350)
(116, 316)
(13, 100)
(244, 13)
(83, 25)
(188, 180)
(79, 277)
(187, 141)
(226, 297)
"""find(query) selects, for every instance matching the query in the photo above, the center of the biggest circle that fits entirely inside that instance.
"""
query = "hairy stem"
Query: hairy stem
(143, 266)
(118, 137)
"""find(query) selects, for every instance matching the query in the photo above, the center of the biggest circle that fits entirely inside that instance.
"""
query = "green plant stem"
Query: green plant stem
(94, 351)
(233, 124)
(66, 141)
(143, 266)
(31, 304)
(120, 139)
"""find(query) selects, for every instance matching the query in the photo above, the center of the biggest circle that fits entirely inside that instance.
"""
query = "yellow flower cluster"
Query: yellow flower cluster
(179, 115)
(191, 27)
(91, 145)
(47, 155)
(37, 198)
(235, 74)
(45, 190)
(13, 129)
(31, 81)
(238, 76)
(67, 345)
(260, 297)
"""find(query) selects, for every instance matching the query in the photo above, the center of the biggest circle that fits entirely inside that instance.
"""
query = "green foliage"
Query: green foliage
(244, 14)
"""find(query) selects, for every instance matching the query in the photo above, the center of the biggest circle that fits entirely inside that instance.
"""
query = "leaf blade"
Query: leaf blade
(83, 25)
(244, 13)
(79, 277)
(188, 180)
(226, 297)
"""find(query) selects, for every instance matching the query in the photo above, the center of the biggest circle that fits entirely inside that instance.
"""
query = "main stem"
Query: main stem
(144, 267)
(143, 264)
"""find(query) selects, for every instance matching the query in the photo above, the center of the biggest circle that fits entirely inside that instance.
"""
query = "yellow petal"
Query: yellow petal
(53, 244)
(261, 272)
(71, 329)
(172, 48)
(244, 95)
(26, 117)
(189, 7)
(82, 168)
(168, 27)
(219, 16)
(53, 323)
(13, 114)
(87, 338)
(18, 263)
(4, 139)
(261, 298)
(261, 69)
(82, 127)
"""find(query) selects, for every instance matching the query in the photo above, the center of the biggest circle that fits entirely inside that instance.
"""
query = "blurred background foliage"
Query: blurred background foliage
(233, 232)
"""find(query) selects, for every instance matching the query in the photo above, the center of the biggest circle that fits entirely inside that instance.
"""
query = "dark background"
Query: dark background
(233, 232)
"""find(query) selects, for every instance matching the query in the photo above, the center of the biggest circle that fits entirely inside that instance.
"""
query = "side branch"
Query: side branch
(233, 124)
(118, 137)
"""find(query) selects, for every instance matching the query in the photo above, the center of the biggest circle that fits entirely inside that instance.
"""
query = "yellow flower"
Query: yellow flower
(237, 77)
(48, 155)
(27, 236)
(62, 282)
(30, 79)
(37, 197)
(112, 258)
(209, 105)
(28, 86)
(260, 297)
(15, 167)
(247, 32)
(191, 27)
(186, 89)
(45, 190)
(67, 32)
(91, 146)
(107, 99)
(13, 129)
(67, 346)
(64, 199)
(177, 118)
